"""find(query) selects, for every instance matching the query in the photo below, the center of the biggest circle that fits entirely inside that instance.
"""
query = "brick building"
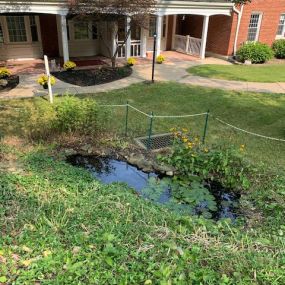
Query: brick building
(195, 27)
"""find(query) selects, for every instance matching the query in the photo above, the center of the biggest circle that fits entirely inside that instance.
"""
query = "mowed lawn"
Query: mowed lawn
(259, 113)
(250, 73)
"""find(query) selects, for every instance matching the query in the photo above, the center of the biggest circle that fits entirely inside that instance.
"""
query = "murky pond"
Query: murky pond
(157, 188)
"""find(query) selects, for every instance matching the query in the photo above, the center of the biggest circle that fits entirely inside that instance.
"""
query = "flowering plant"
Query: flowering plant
(69, 65)
(131, 61)
(160, 59)
(223, 164)
(4, 72)
(43, 80)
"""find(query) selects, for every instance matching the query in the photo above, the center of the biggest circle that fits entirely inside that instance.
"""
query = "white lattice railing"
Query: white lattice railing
(187, 44)
(135, 49)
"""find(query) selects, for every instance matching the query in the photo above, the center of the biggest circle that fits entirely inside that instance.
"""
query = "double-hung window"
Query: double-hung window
(254, 27)
(16, 29)
(281, 26)
(81, 30)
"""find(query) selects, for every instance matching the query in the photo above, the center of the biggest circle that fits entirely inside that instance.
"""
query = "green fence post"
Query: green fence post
(205, 127)
(127, 118)
(150, 131)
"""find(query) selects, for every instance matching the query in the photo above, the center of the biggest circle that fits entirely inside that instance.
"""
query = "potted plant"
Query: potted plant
(43, 81)
(69, 65)
(160, 59)
(131, 61)
(4, 73)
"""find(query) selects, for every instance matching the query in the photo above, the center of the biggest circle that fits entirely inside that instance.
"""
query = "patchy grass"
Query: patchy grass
(259, 113)
(59, 226)
(249, 73)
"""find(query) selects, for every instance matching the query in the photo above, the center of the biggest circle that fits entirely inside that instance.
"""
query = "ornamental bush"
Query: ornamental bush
(279, 48)
(255, 51)
(4, 72)
(69, 65)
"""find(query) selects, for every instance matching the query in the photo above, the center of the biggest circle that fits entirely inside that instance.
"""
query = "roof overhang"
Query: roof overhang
(45, 7)
(165, 7)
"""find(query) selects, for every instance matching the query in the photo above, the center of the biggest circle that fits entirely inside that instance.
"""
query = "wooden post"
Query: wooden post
(48, 75)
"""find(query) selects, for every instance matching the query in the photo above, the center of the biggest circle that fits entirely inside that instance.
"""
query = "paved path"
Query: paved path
(170, 71)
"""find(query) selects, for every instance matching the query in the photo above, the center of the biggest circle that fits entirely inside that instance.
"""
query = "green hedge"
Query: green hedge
(279, 48)
(255, 51)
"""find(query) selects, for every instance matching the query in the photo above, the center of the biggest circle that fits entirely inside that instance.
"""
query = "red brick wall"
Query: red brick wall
(222, 29)
(271, 10)
(49, 35)
(221, 34)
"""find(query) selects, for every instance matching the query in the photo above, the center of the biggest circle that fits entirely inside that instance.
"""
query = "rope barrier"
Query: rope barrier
(247, 132)
(181, 116)
(147, 115)
(113, 105)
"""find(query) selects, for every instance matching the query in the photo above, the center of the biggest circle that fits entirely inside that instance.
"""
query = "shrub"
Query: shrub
(69, 65)
(43, 80)
(4, 72)
(160, 59)
(131, 61)
(225, 165)
(67, 115)
(279, 48)
(255, 51)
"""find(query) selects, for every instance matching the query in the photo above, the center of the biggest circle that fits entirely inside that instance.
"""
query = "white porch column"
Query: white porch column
(204, 37)
(143, 42)
(64, 38)
(158, 34)
(174, 31)
(129, 39)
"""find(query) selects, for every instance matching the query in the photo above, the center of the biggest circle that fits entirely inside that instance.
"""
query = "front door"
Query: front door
(49, 35)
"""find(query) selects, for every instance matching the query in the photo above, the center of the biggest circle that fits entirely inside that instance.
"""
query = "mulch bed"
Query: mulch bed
(9, 83)
(90, 77)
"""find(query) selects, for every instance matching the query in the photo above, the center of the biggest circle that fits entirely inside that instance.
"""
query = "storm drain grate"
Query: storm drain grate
(156, 141)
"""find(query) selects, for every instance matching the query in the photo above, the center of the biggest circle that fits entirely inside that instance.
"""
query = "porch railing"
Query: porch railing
(187, 44)
(135, 49)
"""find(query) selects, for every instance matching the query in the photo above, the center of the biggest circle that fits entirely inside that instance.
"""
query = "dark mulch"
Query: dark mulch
(9, 83)
(90, 77)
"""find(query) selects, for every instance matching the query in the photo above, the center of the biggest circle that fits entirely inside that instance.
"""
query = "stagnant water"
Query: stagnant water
(110, 170)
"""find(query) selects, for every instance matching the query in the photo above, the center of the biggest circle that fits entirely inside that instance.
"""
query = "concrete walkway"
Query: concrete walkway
(174, 70)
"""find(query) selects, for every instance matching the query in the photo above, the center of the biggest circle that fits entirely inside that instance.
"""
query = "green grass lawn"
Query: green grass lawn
(61, 226)
(249, 73)
(259, 113)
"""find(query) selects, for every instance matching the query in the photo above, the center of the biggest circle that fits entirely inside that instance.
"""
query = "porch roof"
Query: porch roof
(164, 7)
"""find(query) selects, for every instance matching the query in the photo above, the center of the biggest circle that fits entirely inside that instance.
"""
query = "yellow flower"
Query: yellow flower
(184, 130)
(26, 249)
(206, 150)
(184, 140)
(46, 253)
(148, 282)
(27, 262)
(241, 148)
(196, 139)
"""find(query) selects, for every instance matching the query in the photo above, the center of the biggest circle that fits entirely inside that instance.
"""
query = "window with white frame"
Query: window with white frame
(254, 27)
(16, 29)
(34, 28)
(281, 26)
(81, 30)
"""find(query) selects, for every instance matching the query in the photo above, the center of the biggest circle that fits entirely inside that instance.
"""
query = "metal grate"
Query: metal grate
(156, 142)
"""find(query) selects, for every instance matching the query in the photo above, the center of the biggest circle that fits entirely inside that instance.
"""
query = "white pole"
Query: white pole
(129, 39)
(64, 38)
(48, 75)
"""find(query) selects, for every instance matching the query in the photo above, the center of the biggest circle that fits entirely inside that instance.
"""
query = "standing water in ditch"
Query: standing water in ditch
(212, 200)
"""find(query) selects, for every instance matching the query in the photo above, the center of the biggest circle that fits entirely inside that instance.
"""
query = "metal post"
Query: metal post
(150, 131)
(205, 127)
(127, 117)
(153, 57)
